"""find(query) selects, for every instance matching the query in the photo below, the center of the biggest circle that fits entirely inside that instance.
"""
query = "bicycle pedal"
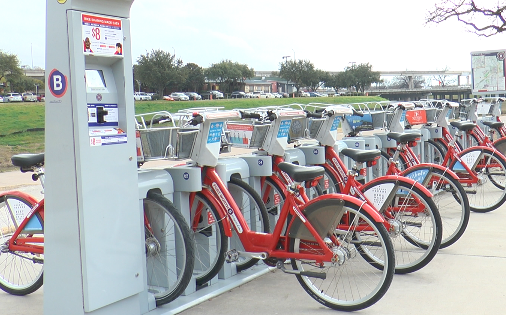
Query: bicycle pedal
(232, 256)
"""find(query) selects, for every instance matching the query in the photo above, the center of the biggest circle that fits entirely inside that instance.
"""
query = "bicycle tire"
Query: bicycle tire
(273, 198)
(486, 197)
(169, 249)
(246, 197)
(211, 243)
(450, 199)
(329, 183)
(353, 284)
(433, 152)
(416, 236)
(21, 273)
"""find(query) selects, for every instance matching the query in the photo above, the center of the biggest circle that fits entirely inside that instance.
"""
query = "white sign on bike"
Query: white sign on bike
(470, 158)
(379, 194)
(19, 209)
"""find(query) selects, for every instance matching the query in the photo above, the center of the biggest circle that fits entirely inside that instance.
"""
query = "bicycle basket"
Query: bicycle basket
(158, 143)
(314, 126)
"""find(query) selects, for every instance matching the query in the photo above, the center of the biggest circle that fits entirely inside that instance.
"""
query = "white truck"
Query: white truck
(29, 97)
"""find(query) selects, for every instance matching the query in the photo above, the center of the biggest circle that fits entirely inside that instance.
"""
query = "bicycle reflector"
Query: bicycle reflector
(313, 182)
(413, 143)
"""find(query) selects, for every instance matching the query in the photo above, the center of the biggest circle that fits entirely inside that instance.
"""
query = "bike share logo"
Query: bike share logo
(315, 151)
(186, 176)
(357, 144)
(226, 205)
(339, 169)
(299, 214)
(260, 162)
(57, 83)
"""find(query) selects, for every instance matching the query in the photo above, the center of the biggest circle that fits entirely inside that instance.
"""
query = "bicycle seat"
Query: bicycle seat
(301, 173)
(361, 156)
(27, 161)
(463, 125)
(493, 124)
(404, 137)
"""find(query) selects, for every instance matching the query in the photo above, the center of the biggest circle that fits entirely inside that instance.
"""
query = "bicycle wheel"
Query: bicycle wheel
(273, 197)
(254, 212)
(21, 273)
(414, 222)
(351, 283)
(450, 199)
(329, 184)
(500, 145)
(211, 243)
(489, 193)
(469, 141)
(433, 152)
(169, 249)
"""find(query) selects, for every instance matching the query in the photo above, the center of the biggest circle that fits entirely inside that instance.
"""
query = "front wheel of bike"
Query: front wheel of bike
(351, 283)
(169, 249)
(21, 273)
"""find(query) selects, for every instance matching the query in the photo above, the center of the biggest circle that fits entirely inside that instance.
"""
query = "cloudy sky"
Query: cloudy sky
(389, 34)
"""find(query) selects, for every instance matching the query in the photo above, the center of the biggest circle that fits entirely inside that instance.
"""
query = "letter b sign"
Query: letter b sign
(57, 83)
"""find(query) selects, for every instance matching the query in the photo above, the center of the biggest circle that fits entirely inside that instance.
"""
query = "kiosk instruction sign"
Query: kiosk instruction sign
(102, 35)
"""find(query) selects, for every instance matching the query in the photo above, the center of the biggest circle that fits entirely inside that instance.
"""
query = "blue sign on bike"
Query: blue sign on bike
(417, 176)
(335, 124)
(215, 132)
(360, 123)
(284, 128)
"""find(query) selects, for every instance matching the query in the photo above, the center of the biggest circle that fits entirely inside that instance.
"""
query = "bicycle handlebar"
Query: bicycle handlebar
(197, 120)
(245, 115)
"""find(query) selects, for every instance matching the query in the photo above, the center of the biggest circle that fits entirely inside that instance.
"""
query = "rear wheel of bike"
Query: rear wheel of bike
(414, 221)
(211, 243)
(273, 197)
(450, 199)
(21, 273)
(433, 152)
(351, 283)
(254, 212)
(329, 184)
(169, 249)
(489, 193)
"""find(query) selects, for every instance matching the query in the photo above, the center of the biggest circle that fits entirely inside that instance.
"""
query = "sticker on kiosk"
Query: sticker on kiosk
(102, 35)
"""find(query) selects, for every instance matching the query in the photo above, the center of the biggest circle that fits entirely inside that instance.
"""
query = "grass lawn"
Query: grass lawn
(21, 127)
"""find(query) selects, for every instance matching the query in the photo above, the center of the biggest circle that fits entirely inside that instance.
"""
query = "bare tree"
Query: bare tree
(444, 79)
(483, 21)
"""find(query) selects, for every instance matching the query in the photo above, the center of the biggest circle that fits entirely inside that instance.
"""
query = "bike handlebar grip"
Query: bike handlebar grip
(250, 115)
(418, 105)
(197, 120)
(272, 116)
(319, 110)
(357, 113)
(314, 115)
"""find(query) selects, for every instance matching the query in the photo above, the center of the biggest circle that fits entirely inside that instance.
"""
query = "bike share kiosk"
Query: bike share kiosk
(94, 237)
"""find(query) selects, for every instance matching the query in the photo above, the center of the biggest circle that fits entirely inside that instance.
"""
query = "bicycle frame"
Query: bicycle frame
(27, 244)
(264, 242)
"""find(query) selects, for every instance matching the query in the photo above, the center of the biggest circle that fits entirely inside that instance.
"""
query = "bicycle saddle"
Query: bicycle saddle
(493, 124)
(361, 156)
(463, 125)
(27, 161)
(403, 137)
(301, 173)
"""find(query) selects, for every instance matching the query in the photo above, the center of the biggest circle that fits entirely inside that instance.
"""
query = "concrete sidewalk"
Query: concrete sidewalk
(466, 278)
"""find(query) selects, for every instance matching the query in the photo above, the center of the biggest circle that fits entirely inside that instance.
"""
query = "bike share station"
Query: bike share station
(95, 251)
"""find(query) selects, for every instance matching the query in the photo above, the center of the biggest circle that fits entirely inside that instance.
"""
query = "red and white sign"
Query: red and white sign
(416, 117)
(102, 35)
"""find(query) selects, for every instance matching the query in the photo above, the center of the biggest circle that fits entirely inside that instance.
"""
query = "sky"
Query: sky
(332, 34)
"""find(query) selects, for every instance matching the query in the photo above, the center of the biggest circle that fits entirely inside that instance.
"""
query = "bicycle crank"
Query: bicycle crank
(320, 275)
(233, 255)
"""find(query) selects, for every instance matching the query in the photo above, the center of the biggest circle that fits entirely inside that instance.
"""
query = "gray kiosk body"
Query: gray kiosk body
(94, 258)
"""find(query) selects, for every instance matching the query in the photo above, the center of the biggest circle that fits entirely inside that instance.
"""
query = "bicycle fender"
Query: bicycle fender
(431, 166)
(221, 212)
(400, 178)
(361, 204)
(21, 194)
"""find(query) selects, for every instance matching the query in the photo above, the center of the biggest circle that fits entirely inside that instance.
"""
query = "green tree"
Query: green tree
(361, 76)
(23, 84)
(297, 71)
(228, 73)
(316, 78)
(9, 68)
(195, 77)
(337, 81)
(158, 70)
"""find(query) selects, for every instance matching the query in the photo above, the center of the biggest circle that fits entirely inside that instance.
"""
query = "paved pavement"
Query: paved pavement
(466, 278)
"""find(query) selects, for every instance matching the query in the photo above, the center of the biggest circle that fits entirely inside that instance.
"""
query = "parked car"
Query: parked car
(249, 95)
(238, 94)
(269, 95)
(29, 97)
(168, 98)
(179, 96)
(142, 96)
(304, 94)
(1, 99)
(194, 96)
(314, 94)
(277, 95)
(215, 95)
(259, 94)
(13, 97)
(41, 98)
